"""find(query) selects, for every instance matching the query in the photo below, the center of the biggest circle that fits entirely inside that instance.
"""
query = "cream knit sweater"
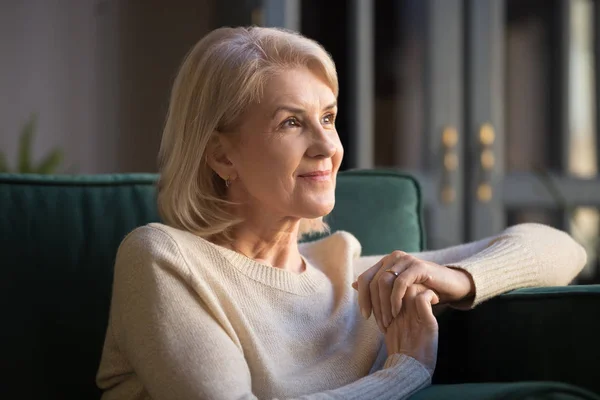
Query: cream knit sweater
(193, 320)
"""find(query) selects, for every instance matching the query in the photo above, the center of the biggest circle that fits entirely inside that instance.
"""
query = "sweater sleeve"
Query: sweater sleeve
(178, 350)
(524, 255)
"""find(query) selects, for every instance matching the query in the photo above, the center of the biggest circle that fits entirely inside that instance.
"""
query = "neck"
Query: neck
(275, 245)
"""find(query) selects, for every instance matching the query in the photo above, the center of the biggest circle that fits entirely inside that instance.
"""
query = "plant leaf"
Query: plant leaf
(25, 139)
(3, 163)
(50, 163)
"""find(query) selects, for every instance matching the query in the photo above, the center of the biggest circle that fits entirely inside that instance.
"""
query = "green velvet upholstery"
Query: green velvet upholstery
(381, 208)
(505, 391)
(58, 239)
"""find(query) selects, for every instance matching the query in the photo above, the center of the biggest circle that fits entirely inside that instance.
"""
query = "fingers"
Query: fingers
(381, 293)
(411, 294)
(364, 291)
(385, 282)
(375, 299)
(381, 288)
(423, 303)
(368, 287)
(377, 292)
(415, 272)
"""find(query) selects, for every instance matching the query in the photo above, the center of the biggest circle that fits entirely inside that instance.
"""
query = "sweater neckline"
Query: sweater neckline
(311, 280)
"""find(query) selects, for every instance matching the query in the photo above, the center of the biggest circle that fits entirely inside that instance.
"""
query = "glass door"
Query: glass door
(532, 118)
(419, 105)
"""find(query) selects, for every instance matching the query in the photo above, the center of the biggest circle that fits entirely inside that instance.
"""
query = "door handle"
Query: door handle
(487, 160)
(450, 164)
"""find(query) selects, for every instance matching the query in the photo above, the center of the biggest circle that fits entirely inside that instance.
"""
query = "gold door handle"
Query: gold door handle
(450, 164)
(487, 160)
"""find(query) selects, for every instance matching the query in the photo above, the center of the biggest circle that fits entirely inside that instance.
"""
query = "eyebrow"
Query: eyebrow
(299, 110)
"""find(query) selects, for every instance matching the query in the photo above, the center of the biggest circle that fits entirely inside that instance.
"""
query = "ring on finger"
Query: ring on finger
(391, 271)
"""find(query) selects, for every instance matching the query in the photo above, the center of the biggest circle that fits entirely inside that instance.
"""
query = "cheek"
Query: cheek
(339, 155)
(269, 165)
(277, 160)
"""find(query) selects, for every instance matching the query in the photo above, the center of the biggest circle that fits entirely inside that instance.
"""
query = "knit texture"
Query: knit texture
(193, 320)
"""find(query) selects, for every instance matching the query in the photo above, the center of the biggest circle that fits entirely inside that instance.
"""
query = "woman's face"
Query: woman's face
(287, 152)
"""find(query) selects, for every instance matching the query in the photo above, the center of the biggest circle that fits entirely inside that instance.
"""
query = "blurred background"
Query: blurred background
(492, 104)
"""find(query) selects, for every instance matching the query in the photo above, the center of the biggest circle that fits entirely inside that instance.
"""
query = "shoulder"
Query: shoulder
(155, 245)
(156, 237)
(148, 239)
(338, 245)
(339, 240)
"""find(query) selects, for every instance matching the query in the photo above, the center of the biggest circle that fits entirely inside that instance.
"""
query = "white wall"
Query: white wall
(97, 73)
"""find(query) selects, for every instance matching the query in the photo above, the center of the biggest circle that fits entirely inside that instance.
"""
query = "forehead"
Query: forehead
(300, 86)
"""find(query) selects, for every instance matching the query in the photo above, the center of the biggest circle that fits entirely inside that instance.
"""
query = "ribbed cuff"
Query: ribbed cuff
(504, 266)
(407, 362)
(401, 377)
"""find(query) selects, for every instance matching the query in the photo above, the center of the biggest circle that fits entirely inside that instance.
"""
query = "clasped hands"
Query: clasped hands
(383, 288)
(400, 291)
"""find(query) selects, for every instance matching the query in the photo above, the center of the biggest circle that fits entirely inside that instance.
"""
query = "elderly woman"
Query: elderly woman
(221, 302)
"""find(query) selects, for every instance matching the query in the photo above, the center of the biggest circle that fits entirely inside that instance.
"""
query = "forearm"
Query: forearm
(401, 377)
(523, 255)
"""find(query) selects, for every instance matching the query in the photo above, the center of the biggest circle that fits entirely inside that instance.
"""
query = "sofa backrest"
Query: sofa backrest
(58, 240)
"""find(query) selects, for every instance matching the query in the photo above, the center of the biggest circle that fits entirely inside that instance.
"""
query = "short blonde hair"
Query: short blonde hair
(220, 77)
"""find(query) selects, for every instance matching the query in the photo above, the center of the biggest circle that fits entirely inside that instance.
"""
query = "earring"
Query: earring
(227, 182)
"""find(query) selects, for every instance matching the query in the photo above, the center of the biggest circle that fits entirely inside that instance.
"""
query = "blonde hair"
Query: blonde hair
(222, 75)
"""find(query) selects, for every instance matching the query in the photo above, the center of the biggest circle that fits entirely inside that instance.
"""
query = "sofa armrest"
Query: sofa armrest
(504, 391)
(549, 334)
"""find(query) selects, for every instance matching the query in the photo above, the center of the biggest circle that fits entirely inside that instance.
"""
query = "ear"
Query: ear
(218, 158)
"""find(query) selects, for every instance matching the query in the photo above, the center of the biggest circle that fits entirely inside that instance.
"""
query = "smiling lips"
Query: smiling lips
(317, 175)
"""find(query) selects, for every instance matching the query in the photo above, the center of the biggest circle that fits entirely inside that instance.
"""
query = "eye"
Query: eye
(328, 119)
(291, 122)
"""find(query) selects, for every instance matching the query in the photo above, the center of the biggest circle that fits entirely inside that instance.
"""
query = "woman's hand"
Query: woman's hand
(381, 288)
(414, 331)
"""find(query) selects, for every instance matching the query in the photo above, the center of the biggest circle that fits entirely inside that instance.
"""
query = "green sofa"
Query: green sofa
(59, 236)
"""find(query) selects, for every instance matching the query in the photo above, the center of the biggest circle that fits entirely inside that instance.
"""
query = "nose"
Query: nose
(323, 143)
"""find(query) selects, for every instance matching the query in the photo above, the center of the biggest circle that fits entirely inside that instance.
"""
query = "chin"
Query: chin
(315, 205)
(318, 210)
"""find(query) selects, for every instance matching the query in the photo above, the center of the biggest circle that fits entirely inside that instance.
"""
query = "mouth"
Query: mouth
(323, 175)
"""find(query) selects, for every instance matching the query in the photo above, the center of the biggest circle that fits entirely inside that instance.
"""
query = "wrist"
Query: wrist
(466, 281)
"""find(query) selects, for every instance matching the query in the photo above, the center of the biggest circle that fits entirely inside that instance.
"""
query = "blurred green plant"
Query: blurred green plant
(48, 165)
